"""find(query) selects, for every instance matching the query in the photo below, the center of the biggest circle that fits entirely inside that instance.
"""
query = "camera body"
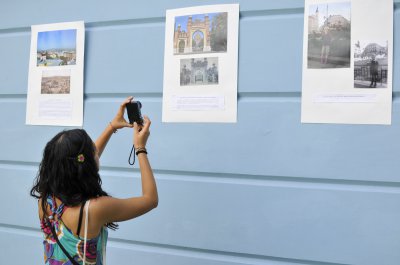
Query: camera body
(134, 113)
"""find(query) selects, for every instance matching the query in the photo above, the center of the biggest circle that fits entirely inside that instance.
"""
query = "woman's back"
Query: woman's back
(68, 225)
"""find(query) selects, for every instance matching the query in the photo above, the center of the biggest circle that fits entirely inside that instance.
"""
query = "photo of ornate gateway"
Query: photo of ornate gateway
(199, 71)
(200, 33)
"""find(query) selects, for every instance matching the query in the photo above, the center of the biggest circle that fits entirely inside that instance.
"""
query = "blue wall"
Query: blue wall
(266, 190)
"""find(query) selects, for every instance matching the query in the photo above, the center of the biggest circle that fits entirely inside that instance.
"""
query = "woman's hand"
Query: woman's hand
(141, 133)
(119, 121)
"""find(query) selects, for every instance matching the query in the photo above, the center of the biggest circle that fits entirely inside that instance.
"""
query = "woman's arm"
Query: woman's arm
(117, 123)
(149, 187)
(109, 209)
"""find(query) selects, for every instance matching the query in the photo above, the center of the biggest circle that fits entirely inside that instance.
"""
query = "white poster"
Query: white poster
(200, 64)
(347, 61)
(55, 83)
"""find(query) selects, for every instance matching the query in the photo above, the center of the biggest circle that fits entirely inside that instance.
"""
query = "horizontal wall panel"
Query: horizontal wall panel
(120, 253)
(273, 144)
(19, 13)
(15, 49)
(20, 247)
(270, 60)
(15, 15)
(339, 223)
(19, 208)
(267, 140)
(125, 59)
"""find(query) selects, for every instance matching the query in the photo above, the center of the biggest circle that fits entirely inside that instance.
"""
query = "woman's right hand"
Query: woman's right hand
(141, 133)
(119, 121)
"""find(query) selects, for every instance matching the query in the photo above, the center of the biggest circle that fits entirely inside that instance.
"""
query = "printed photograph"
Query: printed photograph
(56, 48)
(201, 33)
(329, 35)
(199, 71)
(370, 64)
(56, 82)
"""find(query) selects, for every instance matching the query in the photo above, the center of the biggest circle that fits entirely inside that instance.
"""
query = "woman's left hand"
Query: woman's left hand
(119, 121)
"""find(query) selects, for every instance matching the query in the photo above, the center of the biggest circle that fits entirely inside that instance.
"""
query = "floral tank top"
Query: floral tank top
(73, 244)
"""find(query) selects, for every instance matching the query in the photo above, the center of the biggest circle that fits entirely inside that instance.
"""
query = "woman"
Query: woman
(74, 210)
(326, 43)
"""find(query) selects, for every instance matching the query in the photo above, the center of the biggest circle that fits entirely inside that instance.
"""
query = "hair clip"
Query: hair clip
(80, 158)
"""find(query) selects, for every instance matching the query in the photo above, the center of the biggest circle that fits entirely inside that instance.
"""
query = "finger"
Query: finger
(123, 104)
(147, 123)
(146, 118)
(127, 100)
(136, 127)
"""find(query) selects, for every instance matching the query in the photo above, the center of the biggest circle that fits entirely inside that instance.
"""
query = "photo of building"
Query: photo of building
(370, 64)
(329, 32)
(56, 82)
(201, 71)
(56, 48)
(201, 33)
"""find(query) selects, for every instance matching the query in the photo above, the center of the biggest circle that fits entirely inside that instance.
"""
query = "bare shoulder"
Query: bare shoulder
(100, 206)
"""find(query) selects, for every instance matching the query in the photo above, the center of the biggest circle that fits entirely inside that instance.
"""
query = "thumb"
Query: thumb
(136, 127)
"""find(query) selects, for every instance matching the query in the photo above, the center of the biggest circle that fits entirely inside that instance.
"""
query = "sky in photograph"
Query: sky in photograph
(57, 39)
(364, 43)
(328, 9)
(183, 20)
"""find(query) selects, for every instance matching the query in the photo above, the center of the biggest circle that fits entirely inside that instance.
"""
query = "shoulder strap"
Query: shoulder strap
(85, 238)
(103, 241)
(78, 230)
(86, 226)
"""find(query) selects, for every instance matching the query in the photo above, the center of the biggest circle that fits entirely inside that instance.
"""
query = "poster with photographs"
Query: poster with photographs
(347, 62)
(55, 83)
(200, 64)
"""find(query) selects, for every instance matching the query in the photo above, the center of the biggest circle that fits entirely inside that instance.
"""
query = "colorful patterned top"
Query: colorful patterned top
(53, 254)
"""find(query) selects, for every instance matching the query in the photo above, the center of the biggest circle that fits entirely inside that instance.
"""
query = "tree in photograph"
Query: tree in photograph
(218, 32)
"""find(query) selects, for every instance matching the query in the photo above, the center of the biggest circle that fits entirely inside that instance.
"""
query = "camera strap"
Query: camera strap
(74, 262)
(133, 150)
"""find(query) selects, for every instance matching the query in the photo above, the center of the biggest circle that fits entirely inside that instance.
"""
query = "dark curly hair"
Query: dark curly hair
(63, 176)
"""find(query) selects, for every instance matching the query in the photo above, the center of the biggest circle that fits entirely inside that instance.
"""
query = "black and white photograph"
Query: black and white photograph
(199, 71)
(329, 35)
(201, 33)
(56, 82)
(370, 64)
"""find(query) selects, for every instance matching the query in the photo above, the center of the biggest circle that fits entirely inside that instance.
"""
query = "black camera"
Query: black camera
(134, 113)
